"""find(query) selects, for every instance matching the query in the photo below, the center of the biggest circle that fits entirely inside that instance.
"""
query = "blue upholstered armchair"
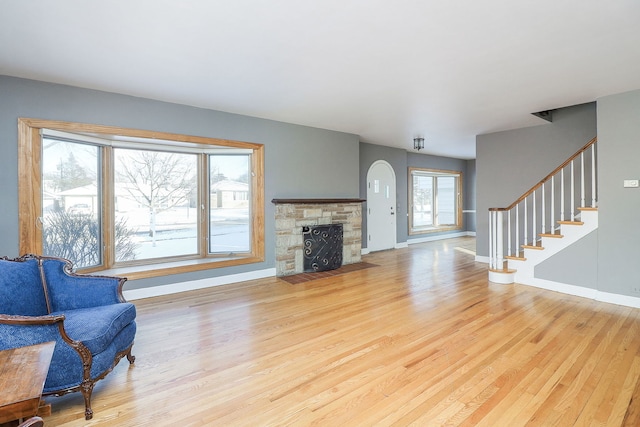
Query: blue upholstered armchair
(92, 325)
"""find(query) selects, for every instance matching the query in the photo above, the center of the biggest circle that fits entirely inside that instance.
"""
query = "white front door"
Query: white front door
(381, 206)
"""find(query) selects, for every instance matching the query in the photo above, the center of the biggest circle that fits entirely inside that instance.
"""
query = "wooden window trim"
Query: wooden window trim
(437, 229)
(30, 190)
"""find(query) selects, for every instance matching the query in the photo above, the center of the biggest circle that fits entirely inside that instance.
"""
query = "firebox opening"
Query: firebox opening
(322, 247)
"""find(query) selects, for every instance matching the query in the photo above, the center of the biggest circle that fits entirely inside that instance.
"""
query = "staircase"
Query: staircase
(552, 215)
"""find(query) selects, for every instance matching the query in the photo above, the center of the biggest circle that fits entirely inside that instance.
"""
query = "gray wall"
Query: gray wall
(618, 207)
(509, 163)
(401, 160)
(299, 161)
(560, 268)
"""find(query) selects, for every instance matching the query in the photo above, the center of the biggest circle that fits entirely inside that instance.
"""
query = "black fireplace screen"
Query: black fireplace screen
(322, 247)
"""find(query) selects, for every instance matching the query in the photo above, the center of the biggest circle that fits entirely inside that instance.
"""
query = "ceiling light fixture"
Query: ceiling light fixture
(418, 143)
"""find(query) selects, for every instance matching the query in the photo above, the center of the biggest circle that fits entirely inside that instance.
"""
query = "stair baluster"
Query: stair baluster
(553, 208)
(517, 231)
(593, 176)
(562, 201)
(573, 195)
(582, 205)
(543, 212)
(526, 229)
(509, 233)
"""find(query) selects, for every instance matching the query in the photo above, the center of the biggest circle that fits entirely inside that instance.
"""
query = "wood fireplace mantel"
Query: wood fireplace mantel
(315, 201)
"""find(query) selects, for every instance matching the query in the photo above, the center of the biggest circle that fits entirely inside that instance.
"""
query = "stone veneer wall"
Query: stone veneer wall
(291, 217)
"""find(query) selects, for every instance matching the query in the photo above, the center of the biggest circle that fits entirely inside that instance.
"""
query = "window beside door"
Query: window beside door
(434, 200)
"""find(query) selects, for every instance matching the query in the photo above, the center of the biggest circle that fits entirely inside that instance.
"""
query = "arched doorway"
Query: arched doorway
(381, 206)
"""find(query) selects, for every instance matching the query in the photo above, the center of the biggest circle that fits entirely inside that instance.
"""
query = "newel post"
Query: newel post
(497, 271)
(496, 240)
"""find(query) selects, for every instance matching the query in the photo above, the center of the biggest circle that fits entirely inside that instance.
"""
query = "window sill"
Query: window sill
(175, 267)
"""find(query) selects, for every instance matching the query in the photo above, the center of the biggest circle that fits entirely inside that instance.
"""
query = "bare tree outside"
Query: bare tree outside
(156, 181)
(71, 219)
(422, 200)
(76, 237)
(69, 174)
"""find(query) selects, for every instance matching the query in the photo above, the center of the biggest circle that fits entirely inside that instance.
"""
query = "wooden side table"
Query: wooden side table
(22, 374)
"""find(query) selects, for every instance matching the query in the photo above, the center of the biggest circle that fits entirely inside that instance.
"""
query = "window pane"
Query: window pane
(229, 203)
(71, 214)
(446, 200)
(434, 199)
(422, 201)
(155, 199)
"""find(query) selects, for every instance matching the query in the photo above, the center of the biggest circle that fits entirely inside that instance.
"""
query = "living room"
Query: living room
(330, 159)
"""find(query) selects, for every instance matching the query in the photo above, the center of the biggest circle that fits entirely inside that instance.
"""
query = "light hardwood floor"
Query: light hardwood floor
(421, 339)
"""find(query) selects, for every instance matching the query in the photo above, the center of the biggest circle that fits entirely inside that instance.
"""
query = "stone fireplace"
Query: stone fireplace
(294, 214)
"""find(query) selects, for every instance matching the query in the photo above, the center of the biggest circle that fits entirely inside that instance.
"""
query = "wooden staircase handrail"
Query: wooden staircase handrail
(546, 178)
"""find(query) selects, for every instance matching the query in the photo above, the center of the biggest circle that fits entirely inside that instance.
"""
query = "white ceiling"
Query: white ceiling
(385, 70)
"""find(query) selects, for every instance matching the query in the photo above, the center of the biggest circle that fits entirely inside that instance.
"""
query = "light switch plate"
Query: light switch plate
(631, 183)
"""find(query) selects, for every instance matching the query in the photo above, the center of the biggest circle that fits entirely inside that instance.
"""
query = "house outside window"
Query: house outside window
(117, 198)
(434, 200)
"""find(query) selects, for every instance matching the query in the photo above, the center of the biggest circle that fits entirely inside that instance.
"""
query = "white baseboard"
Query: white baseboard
(134, 294)
(618, 299)
(441, 237)
(563, 288)
(594, 294)
(400, 245)
(365, 251)
(174, 288)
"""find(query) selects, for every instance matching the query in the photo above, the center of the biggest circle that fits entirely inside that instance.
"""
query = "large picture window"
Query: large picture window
(435, 197)
(139, 202)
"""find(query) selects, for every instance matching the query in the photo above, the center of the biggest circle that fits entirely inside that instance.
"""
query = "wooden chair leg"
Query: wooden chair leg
(87, 388)
(130, 357)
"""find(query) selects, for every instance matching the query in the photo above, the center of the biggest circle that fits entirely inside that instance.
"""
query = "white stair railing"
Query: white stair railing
(518, 224)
